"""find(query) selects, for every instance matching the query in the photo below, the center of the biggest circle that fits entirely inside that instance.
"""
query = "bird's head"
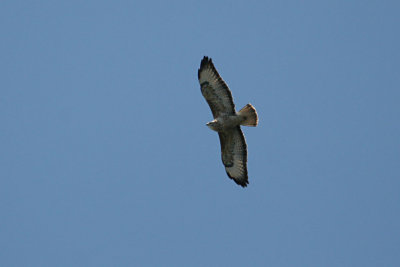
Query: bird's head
(213, 125)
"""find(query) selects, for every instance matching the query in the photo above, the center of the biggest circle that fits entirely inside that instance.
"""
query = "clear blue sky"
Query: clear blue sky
(106, 160)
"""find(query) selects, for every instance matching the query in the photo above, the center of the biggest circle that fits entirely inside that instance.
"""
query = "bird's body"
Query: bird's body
(227, 121)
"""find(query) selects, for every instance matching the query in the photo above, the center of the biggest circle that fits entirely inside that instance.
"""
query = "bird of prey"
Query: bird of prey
(227, 121)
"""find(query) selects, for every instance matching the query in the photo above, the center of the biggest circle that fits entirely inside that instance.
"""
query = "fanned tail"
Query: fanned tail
(250, 115)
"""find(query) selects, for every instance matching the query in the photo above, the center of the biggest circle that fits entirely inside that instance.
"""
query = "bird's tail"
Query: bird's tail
(250, 115)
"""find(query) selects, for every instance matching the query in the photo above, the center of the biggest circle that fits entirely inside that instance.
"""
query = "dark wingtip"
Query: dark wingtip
(243, 183)
(204, 62)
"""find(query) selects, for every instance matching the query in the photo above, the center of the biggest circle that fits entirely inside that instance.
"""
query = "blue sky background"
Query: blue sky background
(106, 160)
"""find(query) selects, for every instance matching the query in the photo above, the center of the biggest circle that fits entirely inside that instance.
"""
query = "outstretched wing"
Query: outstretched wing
(214, 89)
(234, 155)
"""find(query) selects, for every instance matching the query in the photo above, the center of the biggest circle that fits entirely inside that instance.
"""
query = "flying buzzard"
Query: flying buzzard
(226, 121)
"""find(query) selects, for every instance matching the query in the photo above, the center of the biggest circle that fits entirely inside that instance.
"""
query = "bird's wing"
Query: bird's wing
(214, 89)
(234, 155)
